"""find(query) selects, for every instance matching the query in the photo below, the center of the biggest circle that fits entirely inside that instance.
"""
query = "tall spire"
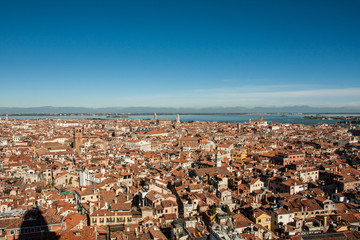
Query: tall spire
(218, 159)
(155, 116)
(177, 118)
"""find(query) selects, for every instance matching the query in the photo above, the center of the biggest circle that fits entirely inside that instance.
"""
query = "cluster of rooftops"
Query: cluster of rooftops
(163, 179)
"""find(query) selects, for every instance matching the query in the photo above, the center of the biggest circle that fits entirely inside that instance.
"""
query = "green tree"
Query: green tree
(70, 180)
(213, 210)
(227, 209)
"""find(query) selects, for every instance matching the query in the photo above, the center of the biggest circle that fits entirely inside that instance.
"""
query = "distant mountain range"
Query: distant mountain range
(159, 110)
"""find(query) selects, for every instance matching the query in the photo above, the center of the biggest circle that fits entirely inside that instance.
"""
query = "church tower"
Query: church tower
(218, 159)
(78, 139)
(177, 119)
(155, 117)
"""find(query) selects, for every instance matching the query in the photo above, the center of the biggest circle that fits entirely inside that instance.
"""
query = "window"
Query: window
(94, 220)
(101, 220)
(12, 232)
(259, 220)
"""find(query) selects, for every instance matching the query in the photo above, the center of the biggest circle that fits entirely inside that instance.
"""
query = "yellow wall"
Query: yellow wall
(116, 222)
(238, 154)
(264, 220)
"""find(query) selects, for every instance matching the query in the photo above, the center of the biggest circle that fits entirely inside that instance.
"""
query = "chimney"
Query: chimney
(325, 221)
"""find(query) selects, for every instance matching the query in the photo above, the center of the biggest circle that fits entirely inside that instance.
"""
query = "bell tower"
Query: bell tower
(78, 139)
(218, 159)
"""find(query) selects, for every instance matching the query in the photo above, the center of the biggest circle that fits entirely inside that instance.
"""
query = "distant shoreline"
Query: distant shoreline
(191, 117)
(319, 115)
(137, 114)
(345, 118)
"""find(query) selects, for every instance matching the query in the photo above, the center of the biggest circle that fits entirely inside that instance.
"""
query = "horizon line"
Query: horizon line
(174, 107)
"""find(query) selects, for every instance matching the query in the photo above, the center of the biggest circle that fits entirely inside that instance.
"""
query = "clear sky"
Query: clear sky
(179, 53)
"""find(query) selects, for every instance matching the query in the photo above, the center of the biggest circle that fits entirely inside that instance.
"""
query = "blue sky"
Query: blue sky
(179, 53)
